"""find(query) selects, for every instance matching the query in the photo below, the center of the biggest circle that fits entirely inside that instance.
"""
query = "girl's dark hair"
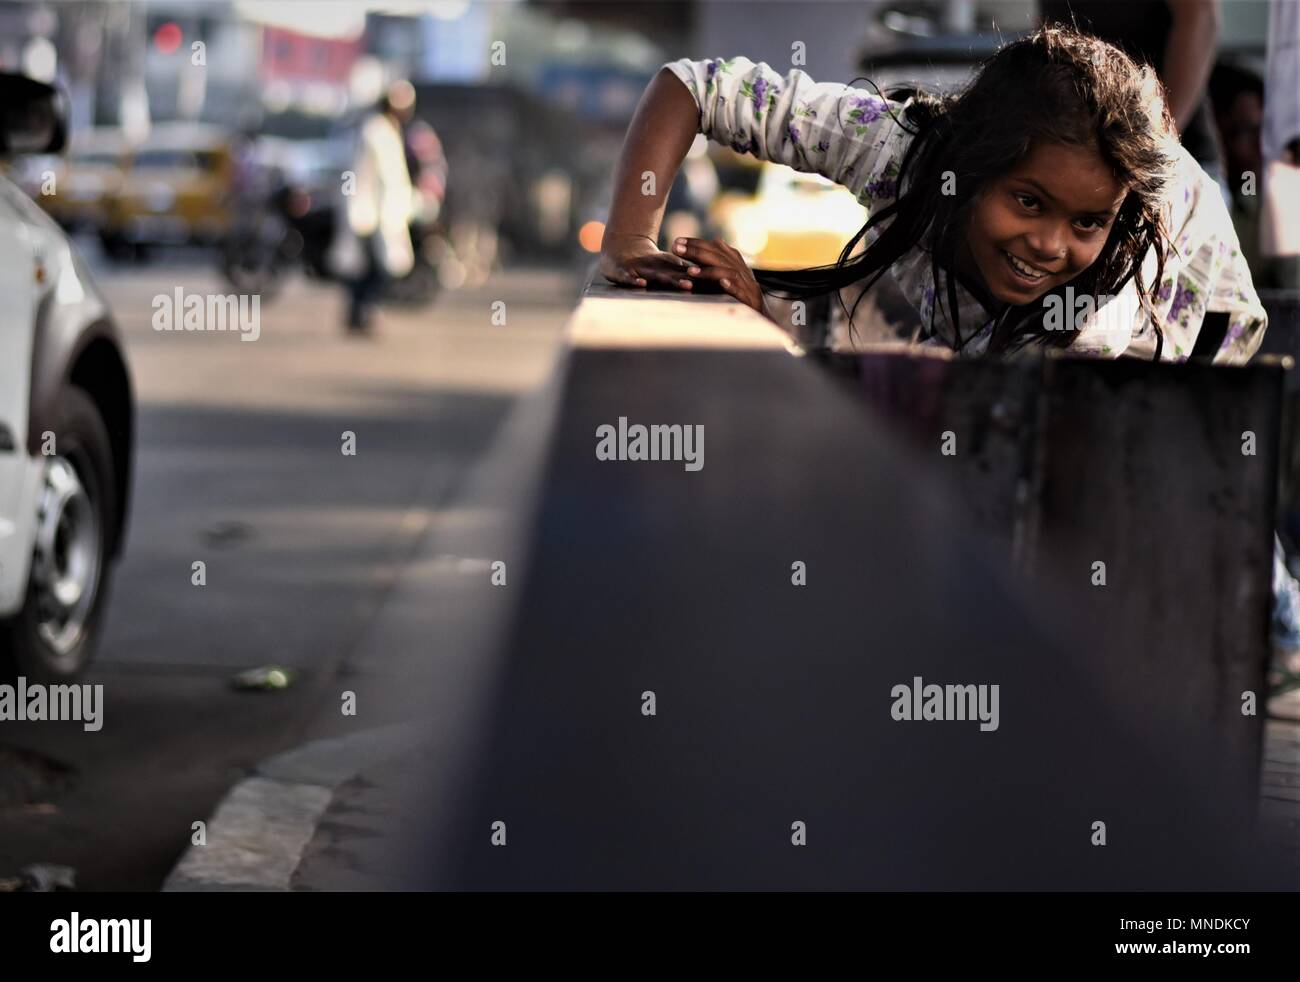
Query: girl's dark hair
(1056, 84)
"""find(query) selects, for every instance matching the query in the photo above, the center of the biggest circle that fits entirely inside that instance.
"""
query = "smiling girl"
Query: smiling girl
(1055, 175)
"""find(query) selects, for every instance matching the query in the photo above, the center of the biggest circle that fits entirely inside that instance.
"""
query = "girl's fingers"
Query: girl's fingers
(732, 251)
(665, 271)
(736, 287)
(716, 255)
(714, 273)
(625, 277)
(664, 277)
(701, 252)
(731, 286)
(704, 261)
(727, 280)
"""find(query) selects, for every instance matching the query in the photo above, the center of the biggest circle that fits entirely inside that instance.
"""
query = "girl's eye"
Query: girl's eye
(1030, 203)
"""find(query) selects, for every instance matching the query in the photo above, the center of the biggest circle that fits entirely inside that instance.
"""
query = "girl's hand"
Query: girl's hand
(635, 260)
(715, 261)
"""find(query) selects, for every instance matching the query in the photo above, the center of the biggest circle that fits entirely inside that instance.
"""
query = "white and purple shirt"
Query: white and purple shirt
(852, 137)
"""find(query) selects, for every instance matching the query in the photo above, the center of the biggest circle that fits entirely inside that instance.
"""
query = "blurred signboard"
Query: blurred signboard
(290, 56)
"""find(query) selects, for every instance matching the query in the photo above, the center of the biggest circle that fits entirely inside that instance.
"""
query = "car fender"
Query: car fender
(75, 342)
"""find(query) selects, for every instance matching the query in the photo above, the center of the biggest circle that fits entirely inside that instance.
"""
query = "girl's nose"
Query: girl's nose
(1048, 244)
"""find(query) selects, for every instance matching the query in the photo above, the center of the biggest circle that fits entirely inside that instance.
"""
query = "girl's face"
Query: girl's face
(1043, 222)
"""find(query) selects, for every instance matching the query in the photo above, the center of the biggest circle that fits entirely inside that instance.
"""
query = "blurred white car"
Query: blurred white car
(66, 421)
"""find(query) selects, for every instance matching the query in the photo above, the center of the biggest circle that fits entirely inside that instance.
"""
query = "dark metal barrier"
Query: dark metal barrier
(1166, 475)
(1283, 334)
(699, 685)
(1283, 338)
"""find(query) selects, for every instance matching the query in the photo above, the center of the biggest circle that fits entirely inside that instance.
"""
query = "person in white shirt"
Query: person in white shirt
(374, 240)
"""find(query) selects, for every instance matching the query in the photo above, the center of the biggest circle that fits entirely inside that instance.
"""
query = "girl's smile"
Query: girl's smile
(1042, 223)
(1022, 270)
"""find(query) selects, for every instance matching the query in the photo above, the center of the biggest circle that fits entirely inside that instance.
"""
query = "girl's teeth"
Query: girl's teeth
(1023, 269)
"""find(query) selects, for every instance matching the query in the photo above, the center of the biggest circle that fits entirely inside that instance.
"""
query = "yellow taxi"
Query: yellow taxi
(792, 220)
(176, 189)
(83, 183)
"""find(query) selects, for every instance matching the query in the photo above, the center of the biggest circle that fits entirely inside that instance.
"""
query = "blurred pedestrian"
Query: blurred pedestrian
(1237, 95)
(1281, 138)
(426, 163)
(373, 239)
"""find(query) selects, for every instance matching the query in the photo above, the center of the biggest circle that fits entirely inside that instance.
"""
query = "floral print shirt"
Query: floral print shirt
(852, 137)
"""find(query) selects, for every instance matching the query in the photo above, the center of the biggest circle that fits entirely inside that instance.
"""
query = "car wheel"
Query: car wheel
(54, 635)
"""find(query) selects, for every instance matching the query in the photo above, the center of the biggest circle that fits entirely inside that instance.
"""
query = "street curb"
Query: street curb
(259, 831)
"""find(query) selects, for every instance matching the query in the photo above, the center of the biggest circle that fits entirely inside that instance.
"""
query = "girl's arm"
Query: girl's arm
(845, 134)
(658, 137)
(848, 135)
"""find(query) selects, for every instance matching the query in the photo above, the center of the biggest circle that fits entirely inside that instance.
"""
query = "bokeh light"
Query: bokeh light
(168, 37)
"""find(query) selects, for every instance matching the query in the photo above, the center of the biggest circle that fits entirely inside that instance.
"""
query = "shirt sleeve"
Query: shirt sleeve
(1247, 320)
(848, 135)
(1205, 272)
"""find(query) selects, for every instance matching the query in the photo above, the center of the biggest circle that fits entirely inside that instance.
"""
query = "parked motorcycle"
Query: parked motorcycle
(269, 242)
(292, 233)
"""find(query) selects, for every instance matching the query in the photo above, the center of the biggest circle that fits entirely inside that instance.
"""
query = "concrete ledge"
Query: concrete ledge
(617, 317)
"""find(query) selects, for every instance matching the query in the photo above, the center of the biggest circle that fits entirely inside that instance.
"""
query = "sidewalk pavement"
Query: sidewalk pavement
(1279, 792)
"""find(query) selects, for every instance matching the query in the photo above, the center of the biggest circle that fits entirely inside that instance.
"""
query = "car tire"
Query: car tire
(54, 636)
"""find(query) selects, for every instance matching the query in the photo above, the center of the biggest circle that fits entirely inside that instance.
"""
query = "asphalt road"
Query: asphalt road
(240, 465)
